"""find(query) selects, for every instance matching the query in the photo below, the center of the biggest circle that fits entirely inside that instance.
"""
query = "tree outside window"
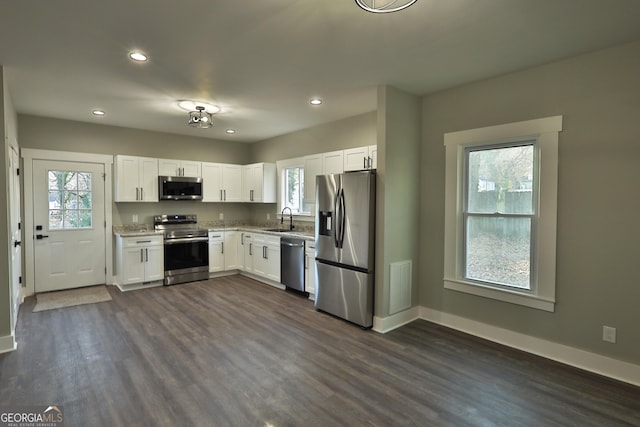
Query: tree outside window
(70, 200)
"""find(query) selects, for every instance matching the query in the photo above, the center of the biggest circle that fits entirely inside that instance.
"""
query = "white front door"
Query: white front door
(16, 239)
(69, 224)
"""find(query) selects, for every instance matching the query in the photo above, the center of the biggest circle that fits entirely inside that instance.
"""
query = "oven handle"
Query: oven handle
(186, 240)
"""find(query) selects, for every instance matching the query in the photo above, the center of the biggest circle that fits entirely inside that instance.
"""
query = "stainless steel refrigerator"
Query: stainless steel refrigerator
(345, 245)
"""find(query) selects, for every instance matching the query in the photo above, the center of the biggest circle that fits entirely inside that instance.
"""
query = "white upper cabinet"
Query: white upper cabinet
(259, 183)
(221, 182)
(332, 162)
(170, 167)
(312, 168)
(136, 179)
(361, 158)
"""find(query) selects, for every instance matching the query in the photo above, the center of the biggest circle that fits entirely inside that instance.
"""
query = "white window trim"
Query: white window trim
(280, 166)
(545, 131)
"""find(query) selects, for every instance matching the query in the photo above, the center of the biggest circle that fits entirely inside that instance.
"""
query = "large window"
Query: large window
(500, 212)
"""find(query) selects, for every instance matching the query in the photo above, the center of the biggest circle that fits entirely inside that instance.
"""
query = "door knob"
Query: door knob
(40, 236)
(17, 243)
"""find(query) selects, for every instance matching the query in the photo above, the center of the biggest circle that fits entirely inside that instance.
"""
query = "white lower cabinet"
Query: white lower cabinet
(266, 256)
(139, 260)
(310, 268)
(216, 251)
(232, 258)
(246, 241)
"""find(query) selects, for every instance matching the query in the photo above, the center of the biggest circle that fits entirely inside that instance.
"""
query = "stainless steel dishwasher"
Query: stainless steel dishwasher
(292, 263)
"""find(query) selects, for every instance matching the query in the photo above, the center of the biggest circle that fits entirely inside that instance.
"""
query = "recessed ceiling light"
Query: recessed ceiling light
(98, 113)
(230, 131)
(192, 106)
(138, 56)
(315, 101)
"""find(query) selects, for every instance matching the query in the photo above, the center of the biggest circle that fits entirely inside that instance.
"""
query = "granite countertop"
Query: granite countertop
(133, 230)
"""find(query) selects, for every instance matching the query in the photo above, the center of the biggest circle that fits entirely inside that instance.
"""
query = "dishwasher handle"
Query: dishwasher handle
(292, 245)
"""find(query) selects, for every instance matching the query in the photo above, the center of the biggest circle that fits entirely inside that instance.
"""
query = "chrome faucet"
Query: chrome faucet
(290, 217)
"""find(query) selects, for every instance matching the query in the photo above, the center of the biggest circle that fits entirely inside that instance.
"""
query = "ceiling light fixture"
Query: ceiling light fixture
(384, 6)
(193, 105)
(200, 118)
(315, 101)
(98, 113)
(138, 56)
(230, 131)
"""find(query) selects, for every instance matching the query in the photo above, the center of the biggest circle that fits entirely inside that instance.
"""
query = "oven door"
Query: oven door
(187, 255)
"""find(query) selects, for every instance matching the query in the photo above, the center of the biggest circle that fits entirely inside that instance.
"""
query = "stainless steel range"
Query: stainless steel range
(186, 248)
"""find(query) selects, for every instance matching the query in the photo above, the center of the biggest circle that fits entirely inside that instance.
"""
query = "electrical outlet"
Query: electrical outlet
(220, 216)
(609, 334)
(268, 216)
(135, 218)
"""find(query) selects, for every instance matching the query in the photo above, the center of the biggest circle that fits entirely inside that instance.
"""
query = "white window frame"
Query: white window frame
(543, 269)
(281, 165)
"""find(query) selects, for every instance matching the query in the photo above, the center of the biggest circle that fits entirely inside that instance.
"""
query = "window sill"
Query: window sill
(513, 297)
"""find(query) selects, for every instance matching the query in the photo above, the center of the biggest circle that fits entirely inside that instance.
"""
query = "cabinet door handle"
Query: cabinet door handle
(250, 248)
(221, 198)
(225, 195)
(141, 255)
(242, 239)
(364, 162)
(137, 193)
(146, 252)
(222, 248)
(141, 193)
(264, 252)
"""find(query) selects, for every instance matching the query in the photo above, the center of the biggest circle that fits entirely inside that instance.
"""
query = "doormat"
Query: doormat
(71, 297)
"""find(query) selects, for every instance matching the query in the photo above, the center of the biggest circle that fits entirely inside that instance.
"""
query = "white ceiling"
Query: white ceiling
(261, 60)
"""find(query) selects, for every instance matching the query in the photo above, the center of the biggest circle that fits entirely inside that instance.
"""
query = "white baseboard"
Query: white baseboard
(389, 323)
(8, 343)
(602, 365)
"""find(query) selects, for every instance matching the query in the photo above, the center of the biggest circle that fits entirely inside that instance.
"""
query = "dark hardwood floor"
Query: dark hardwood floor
(234, 352)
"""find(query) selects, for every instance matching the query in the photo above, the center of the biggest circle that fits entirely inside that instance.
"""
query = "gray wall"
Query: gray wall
(397, 221)
(352, 132)
(598, 198)
(64, 135)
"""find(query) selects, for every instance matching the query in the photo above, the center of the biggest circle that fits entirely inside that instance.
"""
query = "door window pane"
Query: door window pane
(70, 201)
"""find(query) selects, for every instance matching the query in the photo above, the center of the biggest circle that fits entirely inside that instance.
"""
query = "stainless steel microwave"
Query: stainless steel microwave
(179, 188)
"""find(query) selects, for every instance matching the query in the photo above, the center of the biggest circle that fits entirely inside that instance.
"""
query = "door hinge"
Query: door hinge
(105, 224)
(18, 171)
(104, 176)
(24, 285)
(19, 226)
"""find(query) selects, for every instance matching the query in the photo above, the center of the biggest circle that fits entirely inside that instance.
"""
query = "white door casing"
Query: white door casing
(69, 253)
(29, 155)
(16, 238)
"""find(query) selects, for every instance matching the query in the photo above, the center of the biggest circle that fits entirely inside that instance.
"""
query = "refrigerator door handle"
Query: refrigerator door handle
(336, 225)
(343, 217)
